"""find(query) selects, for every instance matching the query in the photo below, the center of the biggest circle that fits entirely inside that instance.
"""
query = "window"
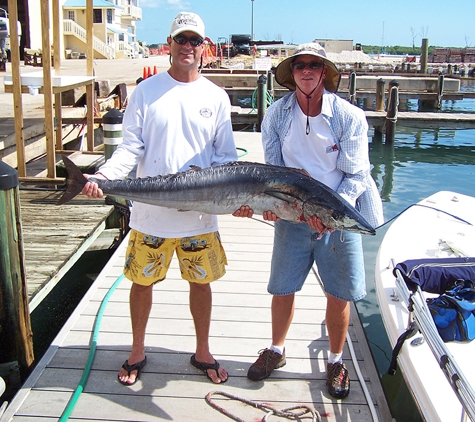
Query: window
(97, 16)
(72, 15)
(109, 15)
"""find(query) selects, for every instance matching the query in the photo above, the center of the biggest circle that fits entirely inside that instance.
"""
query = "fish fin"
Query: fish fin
(74, 183)
(193, 167)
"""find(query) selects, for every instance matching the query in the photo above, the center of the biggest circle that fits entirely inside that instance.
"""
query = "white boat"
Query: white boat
(439, 226)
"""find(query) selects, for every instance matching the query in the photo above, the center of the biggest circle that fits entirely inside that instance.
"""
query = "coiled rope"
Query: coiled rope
(288, 412)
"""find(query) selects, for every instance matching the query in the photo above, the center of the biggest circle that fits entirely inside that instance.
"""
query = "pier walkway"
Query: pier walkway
(55, 237)
(170, 388)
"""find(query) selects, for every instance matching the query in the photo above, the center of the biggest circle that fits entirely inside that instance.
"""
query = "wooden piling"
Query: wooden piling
(391, 115)
(440, 91)
(270, 83)
(352, 88)
(380, 94)
(261, 100)
(424, 54)
(16, 335)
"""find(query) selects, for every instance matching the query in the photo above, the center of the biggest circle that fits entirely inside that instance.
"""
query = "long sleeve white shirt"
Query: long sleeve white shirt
(167, 127)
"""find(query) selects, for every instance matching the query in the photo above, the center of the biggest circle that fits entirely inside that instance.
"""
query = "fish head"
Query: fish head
(350, 222)
(338, 215)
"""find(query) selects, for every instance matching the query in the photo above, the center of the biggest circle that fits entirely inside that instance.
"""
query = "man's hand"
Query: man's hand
(316, 224)
(92, 189)
(246, 211)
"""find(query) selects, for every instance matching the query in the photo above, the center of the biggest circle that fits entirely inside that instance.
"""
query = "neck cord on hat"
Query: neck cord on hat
(307, 127)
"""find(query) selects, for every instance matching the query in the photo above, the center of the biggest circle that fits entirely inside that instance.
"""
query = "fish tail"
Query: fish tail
(74, 183)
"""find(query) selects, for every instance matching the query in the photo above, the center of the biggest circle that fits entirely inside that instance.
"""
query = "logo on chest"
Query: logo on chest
(206, 112)
(332, 148)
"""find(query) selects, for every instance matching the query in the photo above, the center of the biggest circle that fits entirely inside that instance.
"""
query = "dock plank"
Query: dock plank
(54, 237)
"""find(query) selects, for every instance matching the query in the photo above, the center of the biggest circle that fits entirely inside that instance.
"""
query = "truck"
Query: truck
(239, 44)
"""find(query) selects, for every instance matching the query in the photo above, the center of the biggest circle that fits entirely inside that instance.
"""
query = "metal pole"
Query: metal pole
(252, 20)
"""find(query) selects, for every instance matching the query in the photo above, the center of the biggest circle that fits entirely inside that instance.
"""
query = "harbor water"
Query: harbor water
(419, 163)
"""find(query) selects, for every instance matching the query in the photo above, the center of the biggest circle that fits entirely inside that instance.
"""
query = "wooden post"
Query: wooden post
(48, 90)
(352, 88)
(16, 80)
(440, 91)
(391, 115)
(17, 343)
(90, 72)
(57, 54)
(270, 83)
(424, 54)
(261, 100)
(380, 94)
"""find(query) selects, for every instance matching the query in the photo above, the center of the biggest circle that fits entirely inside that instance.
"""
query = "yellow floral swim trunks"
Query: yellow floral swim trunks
(201, 258)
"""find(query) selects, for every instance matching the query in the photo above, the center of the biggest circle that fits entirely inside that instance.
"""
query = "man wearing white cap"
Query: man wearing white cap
(313, 129)
(173, 120)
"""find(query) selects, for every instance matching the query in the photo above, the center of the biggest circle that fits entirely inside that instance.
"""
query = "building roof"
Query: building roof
(95, 3)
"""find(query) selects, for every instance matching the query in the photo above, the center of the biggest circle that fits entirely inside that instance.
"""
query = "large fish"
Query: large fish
(290, 193)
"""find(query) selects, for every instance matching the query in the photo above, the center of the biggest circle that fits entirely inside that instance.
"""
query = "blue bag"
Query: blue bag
(454, 312)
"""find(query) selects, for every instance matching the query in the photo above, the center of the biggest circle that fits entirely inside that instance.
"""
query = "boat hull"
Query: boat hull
(424, 232)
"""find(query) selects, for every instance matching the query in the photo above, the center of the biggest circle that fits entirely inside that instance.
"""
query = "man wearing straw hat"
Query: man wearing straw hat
(313, 129)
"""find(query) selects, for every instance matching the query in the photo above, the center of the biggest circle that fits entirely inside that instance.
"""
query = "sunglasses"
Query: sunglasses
(311, 65)
(194, 41)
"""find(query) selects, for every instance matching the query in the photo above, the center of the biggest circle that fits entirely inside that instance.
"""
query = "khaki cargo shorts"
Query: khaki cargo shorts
(201, 258)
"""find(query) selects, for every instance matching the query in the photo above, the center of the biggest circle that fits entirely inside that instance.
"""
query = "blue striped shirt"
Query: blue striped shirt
(350, 132)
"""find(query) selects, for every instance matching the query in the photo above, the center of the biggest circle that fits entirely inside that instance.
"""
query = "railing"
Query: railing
(126, 48)
(132, 12)
(72, 28)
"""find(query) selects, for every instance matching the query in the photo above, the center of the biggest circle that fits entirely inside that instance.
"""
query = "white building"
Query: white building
(113, 27)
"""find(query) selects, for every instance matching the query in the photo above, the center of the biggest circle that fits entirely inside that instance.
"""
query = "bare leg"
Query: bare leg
(337, 320)
(200, 307)
(282, 315)
(140, 302)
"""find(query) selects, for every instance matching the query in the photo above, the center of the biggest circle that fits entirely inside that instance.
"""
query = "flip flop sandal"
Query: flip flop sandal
(204, 366)
(135, 367)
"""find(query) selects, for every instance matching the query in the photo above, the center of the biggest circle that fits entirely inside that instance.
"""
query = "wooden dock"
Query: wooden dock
(55, 237)
(170, 388)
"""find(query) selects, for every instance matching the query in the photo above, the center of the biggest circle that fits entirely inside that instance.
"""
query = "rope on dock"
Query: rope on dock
(287, 412)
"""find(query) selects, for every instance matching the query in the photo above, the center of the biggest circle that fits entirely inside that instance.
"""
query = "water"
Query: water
(418, 164)
(51, 314)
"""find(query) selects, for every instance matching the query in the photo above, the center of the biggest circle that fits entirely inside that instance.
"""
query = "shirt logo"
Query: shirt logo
(332, 148)
(206, 112)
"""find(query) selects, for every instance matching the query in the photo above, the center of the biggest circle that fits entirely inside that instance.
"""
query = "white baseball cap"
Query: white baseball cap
(187, 21)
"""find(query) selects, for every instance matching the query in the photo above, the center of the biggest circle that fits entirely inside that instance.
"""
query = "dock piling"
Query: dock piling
(391, 114)
(352, 88)
(261, 100)
(440, 91)
(380, 94)
(16, 347)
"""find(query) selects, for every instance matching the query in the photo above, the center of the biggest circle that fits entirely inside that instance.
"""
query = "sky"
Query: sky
(382, 22)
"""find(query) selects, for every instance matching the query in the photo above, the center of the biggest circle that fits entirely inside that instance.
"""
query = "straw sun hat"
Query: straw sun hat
(283, 73)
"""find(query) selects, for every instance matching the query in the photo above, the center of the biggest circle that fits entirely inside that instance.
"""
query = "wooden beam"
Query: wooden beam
(48, 88)
(90, 72)
(16, 80)
(57, 54)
